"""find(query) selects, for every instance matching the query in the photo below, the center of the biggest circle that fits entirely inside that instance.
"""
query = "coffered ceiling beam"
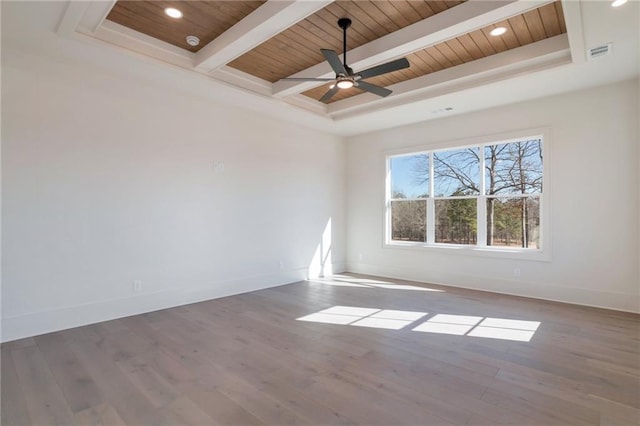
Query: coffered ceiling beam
(573, 19)
(544, 54)
(461, 19)
(259, 26)
(85, 17)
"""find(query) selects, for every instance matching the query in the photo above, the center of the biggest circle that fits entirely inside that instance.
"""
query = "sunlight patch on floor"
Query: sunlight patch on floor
(344, 281)
(500, 328)
(365, 317)
(457, 325)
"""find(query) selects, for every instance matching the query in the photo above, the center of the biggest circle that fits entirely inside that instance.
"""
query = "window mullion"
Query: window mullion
(388, 201)
(431, 209)
(481, 218)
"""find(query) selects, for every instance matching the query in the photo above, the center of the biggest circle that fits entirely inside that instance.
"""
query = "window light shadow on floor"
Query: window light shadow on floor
(344, 281)
(365, 317)
(459, 325)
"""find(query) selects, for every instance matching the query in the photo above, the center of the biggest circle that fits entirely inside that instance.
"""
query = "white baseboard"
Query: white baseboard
(577, 296)
(33, 324)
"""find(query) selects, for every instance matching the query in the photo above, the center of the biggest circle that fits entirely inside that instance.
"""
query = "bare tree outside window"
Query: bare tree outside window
(513, 168)
(456, 175)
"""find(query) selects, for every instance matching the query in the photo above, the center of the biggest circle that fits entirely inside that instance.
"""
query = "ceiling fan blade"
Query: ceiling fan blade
(307, 79)
(396, 65)
(377, 90)
(334, 60)
(329, 94)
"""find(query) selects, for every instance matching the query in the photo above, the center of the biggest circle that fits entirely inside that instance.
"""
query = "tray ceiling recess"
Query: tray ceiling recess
(256, 44)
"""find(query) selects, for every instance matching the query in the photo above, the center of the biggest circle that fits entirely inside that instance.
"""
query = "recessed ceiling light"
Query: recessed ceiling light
(173, 12)
(498, 31)
(618, 3)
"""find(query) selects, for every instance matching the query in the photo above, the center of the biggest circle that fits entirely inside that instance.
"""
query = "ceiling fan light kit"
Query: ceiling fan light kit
(345, 77)
(345, 83)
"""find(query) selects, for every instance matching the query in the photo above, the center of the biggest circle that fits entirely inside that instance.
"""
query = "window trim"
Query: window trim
(481, 249)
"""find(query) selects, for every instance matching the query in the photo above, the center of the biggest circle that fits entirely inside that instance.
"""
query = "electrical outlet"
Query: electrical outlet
(281, 265)
(516, 272)
(218, 166)
(137, 286)
(360, 257)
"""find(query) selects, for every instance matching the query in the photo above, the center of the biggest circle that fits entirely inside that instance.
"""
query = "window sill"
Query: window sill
(474, 251)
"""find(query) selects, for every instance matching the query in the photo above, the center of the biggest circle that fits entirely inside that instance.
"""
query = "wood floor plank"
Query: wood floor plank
(18, 344)
(14, 409)
(430, 410)
(612, 413)
(117, 389)
(42, 394)
(221, 408)
(174, 372)
(612, 367)
(99, 415)
(544, 409)
(249, 360)
(123, 345)
(257, 402)
(183, 411)
(429, 392)
(77, 385)
(154, 387)
(302, 403)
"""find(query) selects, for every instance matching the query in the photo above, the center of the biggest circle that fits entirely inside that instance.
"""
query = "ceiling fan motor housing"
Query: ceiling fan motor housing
(344, 23)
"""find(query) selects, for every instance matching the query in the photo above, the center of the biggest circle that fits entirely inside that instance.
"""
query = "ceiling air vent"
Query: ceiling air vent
(598, 51)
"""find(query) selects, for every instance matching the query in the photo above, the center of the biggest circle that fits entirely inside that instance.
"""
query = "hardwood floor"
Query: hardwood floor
(248, 360)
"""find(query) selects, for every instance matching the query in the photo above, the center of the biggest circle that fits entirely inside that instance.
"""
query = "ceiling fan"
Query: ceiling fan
(345, 77)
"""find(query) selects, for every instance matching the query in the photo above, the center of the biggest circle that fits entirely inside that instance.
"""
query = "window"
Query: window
(409, 193)
(487, 195)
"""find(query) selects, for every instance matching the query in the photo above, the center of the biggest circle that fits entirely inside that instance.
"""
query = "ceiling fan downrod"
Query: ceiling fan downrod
(344, 23)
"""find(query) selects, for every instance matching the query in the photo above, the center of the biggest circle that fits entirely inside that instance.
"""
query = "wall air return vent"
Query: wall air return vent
(598, 51)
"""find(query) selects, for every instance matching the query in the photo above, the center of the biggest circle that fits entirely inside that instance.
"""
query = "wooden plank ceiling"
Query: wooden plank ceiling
(298, 47)
(538, 24)
(203, 19)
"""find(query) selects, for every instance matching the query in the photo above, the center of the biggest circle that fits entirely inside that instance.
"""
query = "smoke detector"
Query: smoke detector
(193, 41)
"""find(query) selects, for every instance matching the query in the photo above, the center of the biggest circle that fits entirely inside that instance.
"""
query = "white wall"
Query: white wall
(594, 201)
(108, 179)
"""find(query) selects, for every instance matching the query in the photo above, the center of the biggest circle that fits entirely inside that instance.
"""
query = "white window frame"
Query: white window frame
(480, 249)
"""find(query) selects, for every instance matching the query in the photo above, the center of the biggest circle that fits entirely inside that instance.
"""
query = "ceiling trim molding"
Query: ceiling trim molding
(134, 41)
(88, 19)
(71, 17)
(305, 102)
(265, 22)
(466, 17)
(96, 14)
(242, 79)
(573, 21)
(85, 17)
